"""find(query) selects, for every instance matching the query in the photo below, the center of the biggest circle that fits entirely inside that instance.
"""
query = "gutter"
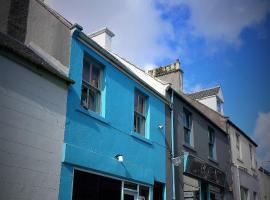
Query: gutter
(77, 31)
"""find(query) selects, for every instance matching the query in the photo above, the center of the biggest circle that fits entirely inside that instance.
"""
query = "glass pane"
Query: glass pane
(129, 197)
(187, 120)
(142, 124)
(144, 193)
(86, 71)
(141, 105)
(84, 97)
(131, 186)
(136, 102)
(186, 136)
(95, 76)
(93, 103)
(136, 123)
(211, 151)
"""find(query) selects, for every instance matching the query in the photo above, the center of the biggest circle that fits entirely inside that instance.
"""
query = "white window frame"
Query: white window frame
(238, 146)
(213, 143)
(189, 129)
(142, 116)
(86, 84)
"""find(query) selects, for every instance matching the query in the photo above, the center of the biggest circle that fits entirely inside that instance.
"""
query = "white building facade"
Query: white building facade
(244, 165)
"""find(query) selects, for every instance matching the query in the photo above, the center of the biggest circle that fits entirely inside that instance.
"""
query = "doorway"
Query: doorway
(158, 191)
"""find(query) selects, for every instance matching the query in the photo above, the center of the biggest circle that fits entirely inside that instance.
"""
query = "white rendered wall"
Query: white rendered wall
(211, 102)
(103, 40)
(244, 147)
(240, 177)
(32, 120)
(264, 184)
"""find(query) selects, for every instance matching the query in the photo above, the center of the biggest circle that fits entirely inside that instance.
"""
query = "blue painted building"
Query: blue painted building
(114, 145)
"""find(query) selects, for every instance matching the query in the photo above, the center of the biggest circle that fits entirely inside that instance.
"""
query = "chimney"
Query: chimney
(171, 73)
(103, 37)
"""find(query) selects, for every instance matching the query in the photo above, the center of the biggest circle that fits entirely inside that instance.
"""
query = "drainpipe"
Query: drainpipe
(172, 140)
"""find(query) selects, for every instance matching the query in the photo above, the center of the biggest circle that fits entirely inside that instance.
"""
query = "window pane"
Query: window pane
(187, 136)
(142, 123)
(95, 76)
(144, 193)
(93, 101)
(136, 102)
(130, 185)
(84, 97)
(211, 148)
(86, 71)
(141, 105)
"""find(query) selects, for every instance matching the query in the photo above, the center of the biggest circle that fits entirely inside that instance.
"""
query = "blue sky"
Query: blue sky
(223, 43)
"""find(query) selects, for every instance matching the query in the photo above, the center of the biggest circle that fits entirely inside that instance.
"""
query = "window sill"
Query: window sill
(141, 138)
(240, 160)
(190, 147)
(213, 160)
(92, 114)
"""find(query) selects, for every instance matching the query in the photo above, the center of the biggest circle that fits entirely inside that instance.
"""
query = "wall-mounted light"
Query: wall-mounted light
(119, 158)
(160, 126)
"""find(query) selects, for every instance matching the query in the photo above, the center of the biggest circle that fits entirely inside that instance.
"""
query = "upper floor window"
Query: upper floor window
(219, 106)
(139, 113)
(251, 156)
(91, 85)
(187, 122)
(211, 143)
(238, 146)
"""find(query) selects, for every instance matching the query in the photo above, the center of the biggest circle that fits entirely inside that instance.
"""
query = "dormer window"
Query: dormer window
(219, 106)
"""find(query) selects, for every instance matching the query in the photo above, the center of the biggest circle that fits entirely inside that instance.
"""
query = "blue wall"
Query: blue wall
(92, 141)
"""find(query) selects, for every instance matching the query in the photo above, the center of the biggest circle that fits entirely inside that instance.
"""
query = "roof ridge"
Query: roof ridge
(164, 83)
(56, 14)
(205, 89)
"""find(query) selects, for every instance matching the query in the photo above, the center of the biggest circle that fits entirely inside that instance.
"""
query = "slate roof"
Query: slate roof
(205, 93)
(15, 47)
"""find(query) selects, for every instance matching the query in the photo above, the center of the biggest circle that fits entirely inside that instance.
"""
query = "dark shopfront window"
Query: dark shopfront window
(87, 186)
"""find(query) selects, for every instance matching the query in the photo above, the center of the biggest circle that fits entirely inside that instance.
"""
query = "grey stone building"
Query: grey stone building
(198, 164)
(243, 148)
(32, 21)
(32, 120)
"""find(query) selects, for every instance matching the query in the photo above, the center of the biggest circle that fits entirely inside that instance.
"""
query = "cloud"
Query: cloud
(140, 31)
(262, 135)
(217, 20)
(144, 35)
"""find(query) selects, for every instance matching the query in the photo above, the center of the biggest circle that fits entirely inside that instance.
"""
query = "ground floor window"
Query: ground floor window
(88, 186)
(191, 188)
(195, 189)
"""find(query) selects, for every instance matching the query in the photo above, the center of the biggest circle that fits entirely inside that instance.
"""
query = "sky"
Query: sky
(218, 42)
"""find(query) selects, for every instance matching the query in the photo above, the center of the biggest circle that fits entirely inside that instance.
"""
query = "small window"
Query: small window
(211, 143)
(255, 197)
(187, 122)
(91, 85)
(219, 106)
(139, 113)
(238, 146)
(251, 156)
(244, 193)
